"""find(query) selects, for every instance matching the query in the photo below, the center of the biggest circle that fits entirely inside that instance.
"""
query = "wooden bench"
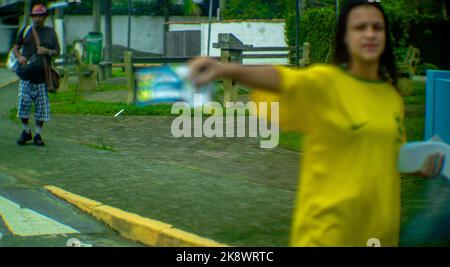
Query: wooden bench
(407, 69)
(72, 65)
(233, 50)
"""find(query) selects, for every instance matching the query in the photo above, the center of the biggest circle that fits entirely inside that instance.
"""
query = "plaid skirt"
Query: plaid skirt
(33, 93)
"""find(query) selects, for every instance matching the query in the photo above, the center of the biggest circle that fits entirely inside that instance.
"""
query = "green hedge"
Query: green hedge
(426, 32)
(151, 8)
(256, 9)
(432, 38)
(318, 27)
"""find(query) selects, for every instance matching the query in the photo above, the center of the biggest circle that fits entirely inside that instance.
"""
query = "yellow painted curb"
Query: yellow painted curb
(8, 82)
(132, 226)
(83, 203)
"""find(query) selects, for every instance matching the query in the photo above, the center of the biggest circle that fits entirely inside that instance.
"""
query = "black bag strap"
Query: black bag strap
(48, 76)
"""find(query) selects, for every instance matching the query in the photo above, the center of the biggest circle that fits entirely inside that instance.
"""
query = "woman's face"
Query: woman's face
(365, 34)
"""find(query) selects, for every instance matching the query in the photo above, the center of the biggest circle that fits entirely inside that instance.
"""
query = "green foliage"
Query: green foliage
(413, 9)
(156, 7)
(422, 68)
(432, 38)
(191, 8)
(257, 9)
(421, 24)
(413, 22)
(317, 26)
(404, 13)
(139, 7)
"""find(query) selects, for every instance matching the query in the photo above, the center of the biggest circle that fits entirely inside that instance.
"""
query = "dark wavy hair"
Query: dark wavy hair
(388, 68)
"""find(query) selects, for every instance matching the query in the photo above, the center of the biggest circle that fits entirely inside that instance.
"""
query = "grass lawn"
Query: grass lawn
(118, 72)
(75, 103)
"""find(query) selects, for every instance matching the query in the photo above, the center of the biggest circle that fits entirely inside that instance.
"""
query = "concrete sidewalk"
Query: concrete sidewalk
(42, 218)
(6, 77)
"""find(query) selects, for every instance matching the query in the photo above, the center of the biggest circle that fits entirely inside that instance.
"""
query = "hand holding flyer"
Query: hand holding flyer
(168, 84)
(413, 155)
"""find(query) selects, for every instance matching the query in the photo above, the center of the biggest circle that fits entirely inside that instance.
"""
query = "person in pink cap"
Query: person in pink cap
(32, 87)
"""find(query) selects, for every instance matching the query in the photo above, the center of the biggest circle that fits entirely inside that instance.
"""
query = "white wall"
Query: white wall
(262, 33)
(173, 27)
(5, 37)
(146, 31)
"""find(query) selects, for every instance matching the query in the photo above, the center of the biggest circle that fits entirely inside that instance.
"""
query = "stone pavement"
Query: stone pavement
(6, 76)
(225, 189)
(40, 212)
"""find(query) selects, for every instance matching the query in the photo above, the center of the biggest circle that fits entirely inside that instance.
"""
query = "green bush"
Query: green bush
(318, 27)
(422, 68)
(427, 32)
(431, 36)
(3, 57)
(138, 7)
(256, 9)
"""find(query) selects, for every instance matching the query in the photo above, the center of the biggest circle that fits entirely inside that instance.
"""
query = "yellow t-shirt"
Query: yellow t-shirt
(349, 187)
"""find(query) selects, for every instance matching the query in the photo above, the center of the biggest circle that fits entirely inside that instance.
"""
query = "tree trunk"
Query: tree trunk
(108, 38)
(221, 8)
(166, 26)
(96, 16)
(446, 8)
(26, 12)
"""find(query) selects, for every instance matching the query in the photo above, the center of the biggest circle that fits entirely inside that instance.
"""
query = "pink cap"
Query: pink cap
(39, 10)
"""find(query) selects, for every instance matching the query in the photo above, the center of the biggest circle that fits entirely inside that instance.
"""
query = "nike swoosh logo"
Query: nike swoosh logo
(358, 126)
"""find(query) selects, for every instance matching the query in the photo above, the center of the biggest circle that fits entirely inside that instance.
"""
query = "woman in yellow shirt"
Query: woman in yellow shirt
(352, 117)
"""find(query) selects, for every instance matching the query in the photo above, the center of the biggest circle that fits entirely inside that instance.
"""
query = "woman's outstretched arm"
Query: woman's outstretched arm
(205, 70)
